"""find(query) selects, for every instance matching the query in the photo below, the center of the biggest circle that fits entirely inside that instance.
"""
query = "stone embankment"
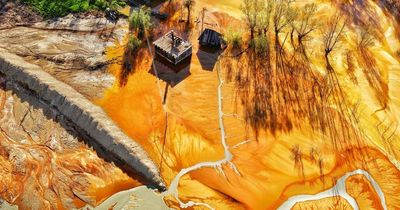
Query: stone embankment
(85, 116)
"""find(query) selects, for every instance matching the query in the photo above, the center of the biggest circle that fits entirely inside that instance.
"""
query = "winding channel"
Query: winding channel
(338, 190)
(173, 189)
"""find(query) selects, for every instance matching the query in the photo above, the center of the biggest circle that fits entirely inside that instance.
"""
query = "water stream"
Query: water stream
(338, 190)
(228, 156)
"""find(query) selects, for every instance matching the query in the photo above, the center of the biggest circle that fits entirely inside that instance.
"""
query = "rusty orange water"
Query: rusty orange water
(268, 173)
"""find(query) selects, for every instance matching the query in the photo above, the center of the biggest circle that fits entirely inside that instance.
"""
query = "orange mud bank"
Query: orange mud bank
(44, 166)
(185, 131)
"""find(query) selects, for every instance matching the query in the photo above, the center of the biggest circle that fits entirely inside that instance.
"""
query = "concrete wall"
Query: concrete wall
(84, 114)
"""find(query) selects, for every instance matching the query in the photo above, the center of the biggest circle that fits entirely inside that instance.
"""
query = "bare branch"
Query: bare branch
(333, 32)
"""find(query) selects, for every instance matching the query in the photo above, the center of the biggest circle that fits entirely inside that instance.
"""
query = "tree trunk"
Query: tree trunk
(292, 39)
(328, 64)
(188, 17)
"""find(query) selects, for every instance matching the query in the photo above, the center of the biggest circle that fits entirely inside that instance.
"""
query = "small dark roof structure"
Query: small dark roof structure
(210, 38)
(172, 47)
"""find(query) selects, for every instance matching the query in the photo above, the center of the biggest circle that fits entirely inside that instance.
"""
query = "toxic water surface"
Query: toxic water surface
(185, 130)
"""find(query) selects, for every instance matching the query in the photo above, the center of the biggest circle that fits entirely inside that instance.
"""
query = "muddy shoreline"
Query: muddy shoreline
(83, 114)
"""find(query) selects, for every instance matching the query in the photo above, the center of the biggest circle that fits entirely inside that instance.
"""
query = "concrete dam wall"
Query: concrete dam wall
(85, 116)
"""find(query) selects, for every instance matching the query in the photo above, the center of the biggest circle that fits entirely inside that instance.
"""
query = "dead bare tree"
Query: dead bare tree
(304, 25)
(301, 74)
(265, 18)
(341, 118)
(251, 10)
(277, 96)
(283, 16)
(332, 34)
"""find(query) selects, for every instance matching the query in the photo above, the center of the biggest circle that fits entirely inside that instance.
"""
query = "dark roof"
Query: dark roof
(210, 37)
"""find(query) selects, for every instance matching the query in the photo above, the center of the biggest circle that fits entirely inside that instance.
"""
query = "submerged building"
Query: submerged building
(173, 48)
(211, 38)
